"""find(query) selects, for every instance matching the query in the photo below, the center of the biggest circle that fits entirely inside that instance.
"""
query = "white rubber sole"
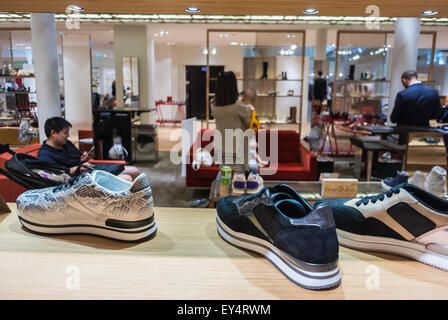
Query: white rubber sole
(407, 249)
(141, 233)
(238, 192)
(252, 191)
(317, 277)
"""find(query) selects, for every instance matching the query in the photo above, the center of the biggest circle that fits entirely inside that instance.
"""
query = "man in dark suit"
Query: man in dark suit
(416, 104)
(320, 87)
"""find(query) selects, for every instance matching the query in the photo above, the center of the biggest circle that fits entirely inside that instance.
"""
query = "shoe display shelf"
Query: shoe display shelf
(187, 259)
(309, 190)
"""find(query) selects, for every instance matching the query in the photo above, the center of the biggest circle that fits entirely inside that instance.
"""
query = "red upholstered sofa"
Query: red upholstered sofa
(296, 163)
(11, 190)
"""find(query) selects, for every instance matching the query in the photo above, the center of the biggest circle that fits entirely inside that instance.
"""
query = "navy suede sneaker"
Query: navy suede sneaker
(400, 177)
(405, 220)
(278, 224)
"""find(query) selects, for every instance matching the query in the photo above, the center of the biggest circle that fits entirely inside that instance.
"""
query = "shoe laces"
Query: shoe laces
(68, 184)
(381, 196)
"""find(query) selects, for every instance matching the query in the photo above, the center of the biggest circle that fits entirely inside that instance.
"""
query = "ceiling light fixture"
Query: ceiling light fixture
(233, 43)
(193, 10)
(75, 8)
(428, 13)
(310, 11)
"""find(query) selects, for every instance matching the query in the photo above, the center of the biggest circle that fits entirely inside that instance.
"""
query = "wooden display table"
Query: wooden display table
(186, 260)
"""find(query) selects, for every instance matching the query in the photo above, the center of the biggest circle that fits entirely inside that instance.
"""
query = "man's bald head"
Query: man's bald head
(249, 96)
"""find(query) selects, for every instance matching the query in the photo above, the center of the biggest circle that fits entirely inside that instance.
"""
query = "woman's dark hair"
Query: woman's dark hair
(57, 124)
(226, 91)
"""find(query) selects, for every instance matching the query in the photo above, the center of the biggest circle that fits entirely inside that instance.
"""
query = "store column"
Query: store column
(77, 80)
(404, 54)
(320, 52)
(43, 33)
(136, 41)
(151, 117)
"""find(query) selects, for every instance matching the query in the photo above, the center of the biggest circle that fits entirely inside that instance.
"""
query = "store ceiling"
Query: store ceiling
(387, 8)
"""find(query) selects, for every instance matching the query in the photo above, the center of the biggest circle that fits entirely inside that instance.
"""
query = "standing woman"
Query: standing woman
(230, 113)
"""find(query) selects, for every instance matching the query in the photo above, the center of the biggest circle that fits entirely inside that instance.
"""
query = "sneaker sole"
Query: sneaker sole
(398, 247)
(129, 231)
(321, 277)
(237, 192)
(252, 191)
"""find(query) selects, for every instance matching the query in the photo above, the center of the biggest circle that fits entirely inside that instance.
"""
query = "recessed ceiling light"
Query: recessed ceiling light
(193, 10)
(75, 8)
(310, 11)
(233, 43)
(428, 13)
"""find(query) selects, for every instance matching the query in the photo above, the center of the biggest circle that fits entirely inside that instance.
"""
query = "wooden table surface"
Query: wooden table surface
(186, 260)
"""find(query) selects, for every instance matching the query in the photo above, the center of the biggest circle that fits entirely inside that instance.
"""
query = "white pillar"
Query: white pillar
(404, 54)
(77, 79)
(136, 41)
(43, 34)
(320, 48)
(151, 117)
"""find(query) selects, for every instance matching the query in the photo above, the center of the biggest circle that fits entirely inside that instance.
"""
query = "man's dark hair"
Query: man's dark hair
(320, 73)
(226, 89)
(410, 74)
(57, 124)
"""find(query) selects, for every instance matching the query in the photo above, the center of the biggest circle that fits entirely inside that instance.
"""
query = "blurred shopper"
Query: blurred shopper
(230, 113)
(416, 104)
(320, 87)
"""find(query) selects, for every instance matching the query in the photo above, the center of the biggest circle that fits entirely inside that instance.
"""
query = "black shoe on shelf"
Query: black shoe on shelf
(280, 225)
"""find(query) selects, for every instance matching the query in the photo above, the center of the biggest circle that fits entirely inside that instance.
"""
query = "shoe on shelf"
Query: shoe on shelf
(254, 183)
(405, 220)
(97, 203)
(400, 177)
(418, 179)
(435, 182)
(282, 227)
(238, 184)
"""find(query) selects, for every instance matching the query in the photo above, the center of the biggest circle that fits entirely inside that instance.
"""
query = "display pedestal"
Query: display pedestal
(186, 260)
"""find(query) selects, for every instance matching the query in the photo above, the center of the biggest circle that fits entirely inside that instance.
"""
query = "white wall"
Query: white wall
(77, 86)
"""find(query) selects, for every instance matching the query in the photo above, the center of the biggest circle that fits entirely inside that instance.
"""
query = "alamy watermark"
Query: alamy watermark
(373, 277)
(72, 281)
(372, 21)
(243, 144)
(73, 18)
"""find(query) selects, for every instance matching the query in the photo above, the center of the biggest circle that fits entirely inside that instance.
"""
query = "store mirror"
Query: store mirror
(130, 81)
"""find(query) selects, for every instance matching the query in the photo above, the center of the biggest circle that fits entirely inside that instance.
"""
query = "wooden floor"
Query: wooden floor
(186, 260)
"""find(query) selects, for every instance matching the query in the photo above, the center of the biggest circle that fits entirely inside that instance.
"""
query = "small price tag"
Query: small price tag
(339, 188)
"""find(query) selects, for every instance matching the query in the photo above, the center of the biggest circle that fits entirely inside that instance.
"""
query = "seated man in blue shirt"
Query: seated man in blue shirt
(58, 150)
(417, 104)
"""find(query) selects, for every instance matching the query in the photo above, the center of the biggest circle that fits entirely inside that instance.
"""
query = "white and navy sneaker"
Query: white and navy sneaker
(405, 220)
(400, 177)
(254, 183)
(97, 203)
(239, 184)
(279, 225)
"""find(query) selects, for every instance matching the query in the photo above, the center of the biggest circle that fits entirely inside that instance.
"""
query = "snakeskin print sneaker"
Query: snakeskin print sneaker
(97, 203)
